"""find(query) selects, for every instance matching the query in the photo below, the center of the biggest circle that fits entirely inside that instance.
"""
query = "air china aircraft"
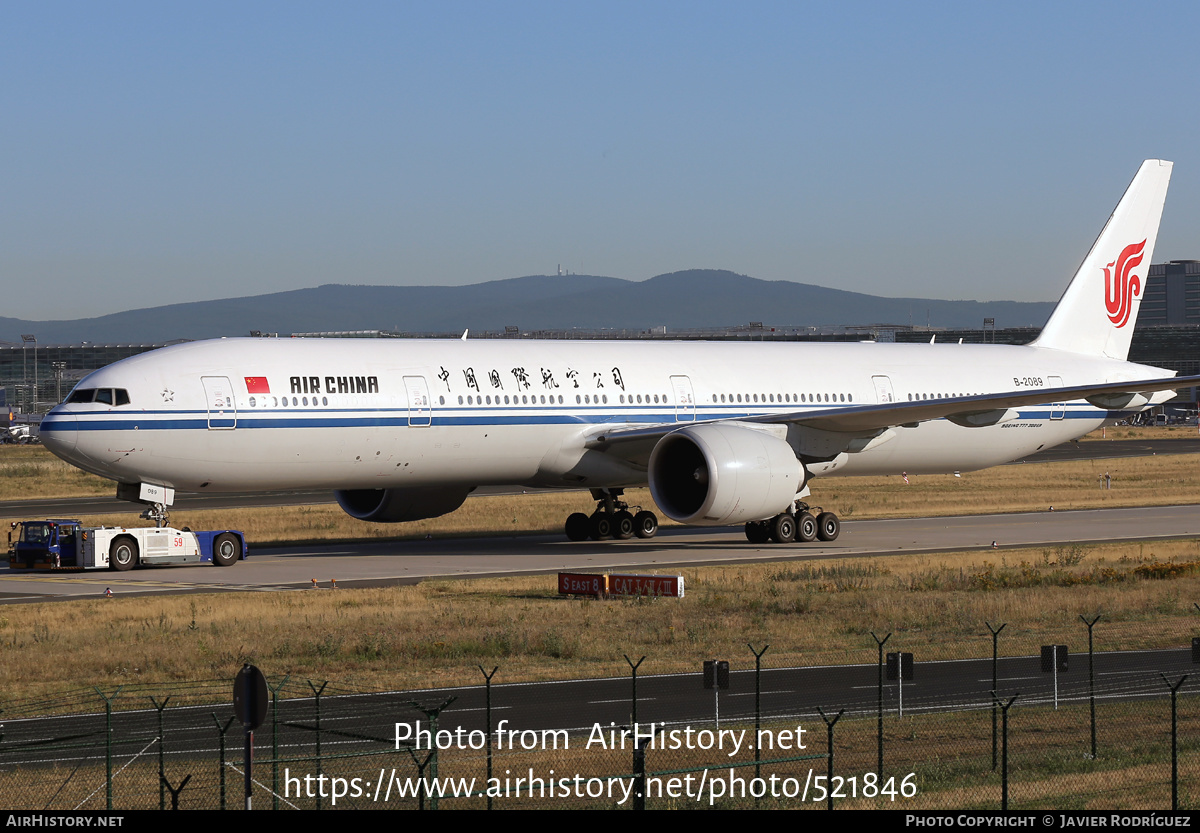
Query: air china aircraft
(724, 433)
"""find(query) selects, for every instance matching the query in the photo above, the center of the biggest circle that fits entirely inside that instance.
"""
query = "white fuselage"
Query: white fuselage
(243, 414)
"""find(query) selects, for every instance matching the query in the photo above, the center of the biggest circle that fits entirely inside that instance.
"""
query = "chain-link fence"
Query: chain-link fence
(1115, 730)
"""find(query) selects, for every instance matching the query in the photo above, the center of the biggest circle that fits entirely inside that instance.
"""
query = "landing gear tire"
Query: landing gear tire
(601, 526)
(645, 524)
(757, 532)
(123, 554)
(828, 526)
(783, 529)
(622, 526)
(579, 527)
(227, 549)
(806, 527)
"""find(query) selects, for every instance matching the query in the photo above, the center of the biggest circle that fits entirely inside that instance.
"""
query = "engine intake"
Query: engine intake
(713, 475)
(397, 505)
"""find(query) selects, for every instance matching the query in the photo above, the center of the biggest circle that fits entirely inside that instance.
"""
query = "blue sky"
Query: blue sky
(162, 152)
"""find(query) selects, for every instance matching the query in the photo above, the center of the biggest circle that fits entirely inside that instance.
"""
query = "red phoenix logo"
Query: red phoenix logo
(1120, 287)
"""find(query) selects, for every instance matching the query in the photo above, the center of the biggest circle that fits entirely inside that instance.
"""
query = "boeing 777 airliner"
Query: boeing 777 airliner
(722, 433)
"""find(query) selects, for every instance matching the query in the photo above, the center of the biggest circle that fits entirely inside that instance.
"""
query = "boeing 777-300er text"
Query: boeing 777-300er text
(724, 433)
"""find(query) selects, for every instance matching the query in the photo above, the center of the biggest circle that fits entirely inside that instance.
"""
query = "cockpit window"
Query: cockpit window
(105, 396)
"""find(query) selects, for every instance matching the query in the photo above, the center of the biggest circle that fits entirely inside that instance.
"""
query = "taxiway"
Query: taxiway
(379, 563)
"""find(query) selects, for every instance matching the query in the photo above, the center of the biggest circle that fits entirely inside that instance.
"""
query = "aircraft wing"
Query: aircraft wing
(866, 420)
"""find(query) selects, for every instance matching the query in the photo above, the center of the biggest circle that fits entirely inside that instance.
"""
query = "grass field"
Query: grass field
(437, 632)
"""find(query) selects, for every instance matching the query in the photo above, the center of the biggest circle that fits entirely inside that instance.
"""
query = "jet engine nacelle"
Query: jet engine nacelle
(712, 475)
(396, 505)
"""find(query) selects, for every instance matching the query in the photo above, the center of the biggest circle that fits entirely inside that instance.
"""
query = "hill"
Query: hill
(697, 298)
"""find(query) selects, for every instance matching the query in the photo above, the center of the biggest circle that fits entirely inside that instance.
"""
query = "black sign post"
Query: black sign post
(716, 677)
(250, 706)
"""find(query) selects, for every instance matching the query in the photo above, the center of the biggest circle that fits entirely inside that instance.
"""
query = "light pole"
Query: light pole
(26, 340)
(58, 368)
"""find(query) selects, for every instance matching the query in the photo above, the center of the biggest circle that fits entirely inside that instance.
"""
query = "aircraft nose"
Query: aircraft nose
(59, 433)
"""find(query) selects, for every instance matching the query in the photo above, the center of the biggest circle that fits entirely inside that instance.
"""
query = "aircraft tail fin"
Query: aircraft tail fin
(1096, 314)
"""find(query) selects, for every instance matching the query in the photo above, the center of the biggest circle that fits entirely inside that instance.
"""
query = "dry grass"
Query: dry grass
(1143, 432)
(436, 633)
(30, 471)
(1136, 481)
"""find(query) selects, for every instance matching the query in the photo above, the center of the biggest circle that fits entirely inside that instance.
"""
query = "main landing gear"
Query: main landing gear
(800, 525)
(612, 519)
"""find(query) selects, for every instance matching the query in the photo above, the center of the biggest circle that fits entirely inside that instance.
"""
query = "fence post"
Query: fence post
(634, 667)
(487, 684)
(1091, 679)
(639, 773)
(879, 719)
(175, 791)
(995, 682)
(108, 773)
(1004, 756)
(639, 754)
(432, 713)
(162, 772)
(1174, 740)
(221, 730)
(829, 724)
(317, 695)
(421, 774)
(758, 655)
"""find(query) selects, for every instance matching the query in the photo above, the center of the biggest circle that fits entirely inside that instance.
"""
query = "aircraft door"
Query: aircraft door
(218, 396)
(419, 410)
(883, 389)
(685, 400)
(1059, 409)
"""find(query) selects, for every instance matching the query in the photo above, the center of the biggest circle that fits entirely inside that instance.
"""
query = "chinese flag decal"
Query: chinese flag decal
(257, 384)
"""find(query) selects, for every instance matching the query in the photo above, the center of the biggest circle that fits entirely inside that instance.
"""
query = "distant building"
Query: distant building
(1172, 295)
(33, 377)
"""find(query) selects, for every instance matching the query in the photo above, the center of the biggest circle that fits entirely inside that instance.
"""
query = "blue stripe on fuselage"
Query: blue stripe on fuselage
(193, 420)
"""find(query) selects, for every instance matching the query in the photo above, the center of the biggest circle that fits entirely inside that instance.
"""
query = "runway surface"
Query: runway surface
(374, 564)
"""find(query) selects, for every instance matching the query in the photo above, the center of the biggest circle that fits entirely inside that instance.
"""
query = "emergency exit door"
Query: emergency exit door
(218, 396)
